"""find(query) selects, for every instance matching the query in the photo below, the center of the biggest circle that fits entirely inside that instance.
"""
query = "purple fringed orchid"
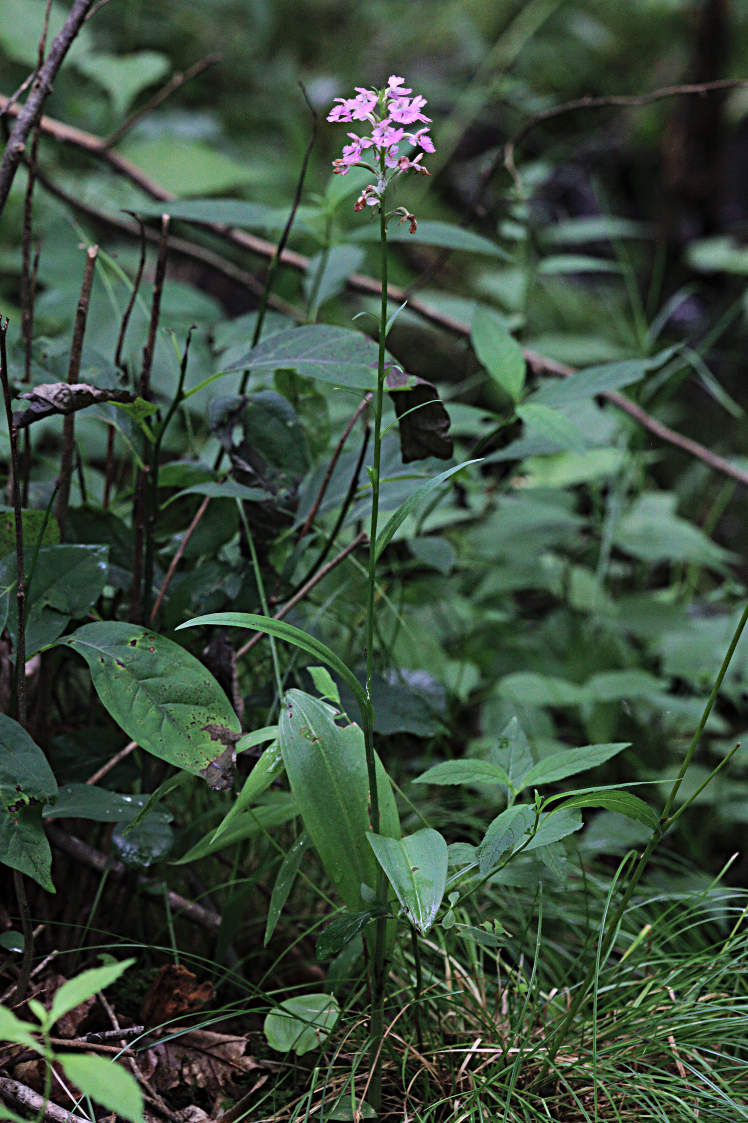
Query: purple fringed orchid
(389, 112)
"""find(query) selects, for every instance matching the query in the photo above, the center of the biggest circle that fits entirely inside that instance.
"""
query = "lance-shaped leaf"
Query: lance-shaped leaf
(159, 694)
(326, 769)
(416, 868)
(291, 634)
(568, 762)
(411, 503)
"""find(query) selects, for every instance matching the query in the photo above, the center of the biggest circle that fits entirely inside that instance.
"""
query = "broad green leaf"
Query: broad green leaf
(189, 167)
(25, 775)
(465, 771)
(14, 1031)
(512, 752)
(26, 783)
(596, 380)
(105, 1081)
(32, 522)
(268, 768)
(326, 769)
(652, 532)
(257, 737)
(228, 212)
(559, 265)
(331, 354)
(144, 843)
(411, 503)
(86, 801)
(302, 1023)
(275, 809)
(24, 846)
(498, 352)
(83, 986)
(21, 25)
(65, 582)
(568, 762)
(554, 826)
(595, 228)
(284, 880)
(553, 425)
(159, 694)
(445, 235)
(124, 76)
(325, 684)
(567, 469)
(290, 634)
(416, 868)
(611, 686)
(327, 274)
(624, 803)
(532, 689)
(505, 833)
(340, 932)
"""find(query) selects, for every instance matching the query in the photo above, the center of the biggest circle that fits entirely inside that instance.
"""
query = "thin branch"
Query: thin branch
(41, 87)
(357, 541)
(15, 487)
(160, 97)
(178, 556)
(331, 467)
(603, 102)
(100, 773)
(76, 352)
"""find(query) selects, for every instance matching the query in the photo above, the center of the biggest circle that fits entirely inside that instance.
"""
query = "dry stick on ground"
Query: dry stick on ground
(24, 1097)
(160, 97)
(41, 87)
(360, 283)
(74, 365)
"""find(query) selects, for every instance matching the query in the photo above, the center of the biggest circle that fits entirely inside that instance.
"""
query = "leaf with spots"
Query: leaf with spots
(160, 695)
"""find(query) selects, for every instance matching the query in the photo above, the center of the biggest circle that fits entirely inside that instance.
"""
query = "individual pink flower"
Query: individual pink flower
(421, 139)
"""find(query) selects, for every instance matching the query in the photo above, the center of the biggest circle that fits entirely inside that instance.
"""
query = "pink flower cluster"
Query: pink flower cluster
(388, 111)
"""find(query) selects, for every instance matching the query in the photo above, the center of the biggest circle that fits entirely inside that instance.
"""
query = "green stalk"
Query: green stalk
(380, 939)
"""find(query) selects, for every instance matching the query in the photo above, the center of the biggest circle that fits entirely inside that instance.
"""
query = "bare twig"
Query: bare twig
(158, 291)
(622, 100)
(160, 97)
(40, 90)
(100, 773)
(331, 467)
(178, 555)
(20, 644)
(357, 541)
(76, 351)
